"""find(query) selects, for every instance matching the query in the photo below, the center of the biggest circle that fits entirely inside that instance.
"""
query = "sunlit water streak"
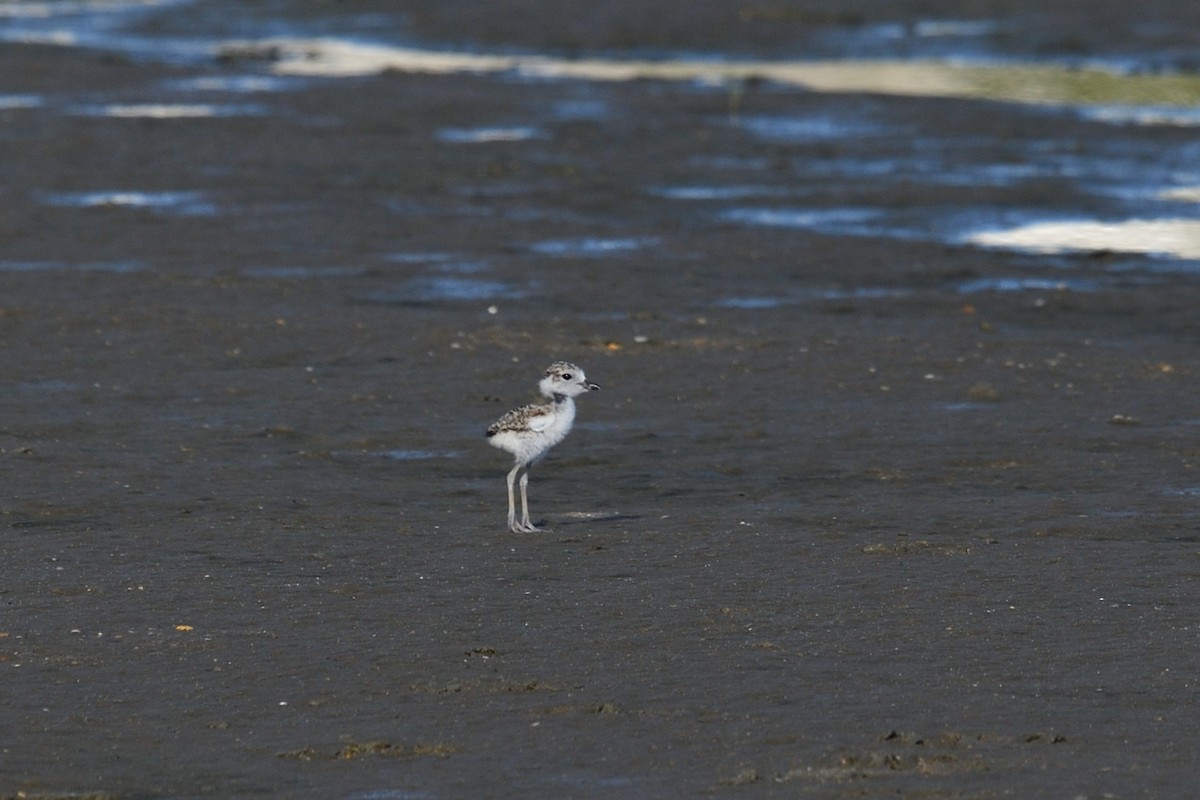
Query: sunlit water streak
(1028, 284)
(814, 128)
(9, 102)
(856, 221)
(1178, 116)
(241, 84)
(422, 290)
(169, 110)
(186, 203)
(516, 133)
(717, 192)
(763, 302)
(420, 455)
(592, 247)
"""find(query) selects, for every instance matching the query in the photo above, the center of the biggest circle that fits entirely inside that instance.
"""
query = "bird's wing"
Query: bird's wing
(534, 418)
(540, 418)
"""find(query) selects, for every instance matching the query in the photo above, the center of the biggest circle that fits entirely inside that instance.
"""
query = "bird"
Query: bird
(530, 431)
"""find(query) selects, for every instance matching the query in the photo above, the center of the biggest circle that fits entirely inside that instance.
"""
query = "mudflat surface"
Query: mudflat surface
(836, 526)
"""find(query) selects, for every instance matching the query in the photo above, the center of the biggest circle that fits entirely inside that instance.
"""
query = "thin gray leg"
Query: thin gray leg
(512, 506)
(526, 525)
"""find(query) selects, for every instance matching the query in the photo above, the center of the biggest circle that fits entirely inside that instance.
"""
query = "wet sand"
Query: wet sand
(833, 527)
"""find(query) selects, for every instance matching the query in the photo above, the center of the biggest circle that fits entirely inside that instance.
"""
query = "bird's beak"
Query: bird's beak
(593, 387)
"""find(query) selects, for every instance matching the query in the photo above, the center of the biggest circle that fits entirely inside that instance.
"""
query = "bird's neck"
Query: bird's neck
(559, 399)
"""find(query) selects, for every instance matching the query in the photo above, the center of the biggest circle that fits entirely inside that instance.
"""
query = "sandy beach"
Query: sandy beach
(856, 514)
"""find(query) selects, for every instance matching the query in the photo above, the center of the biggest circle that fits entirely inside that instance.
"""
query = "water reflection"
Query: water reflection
(422, 290)
(517, 133)
(185, 203)
(717, 192)
(1028, 284)
(1178, 116)
(419, 455)
(241, 84)
(827, 220)
(169, 110)
(13, 101)
(592, 247)
(815, 128)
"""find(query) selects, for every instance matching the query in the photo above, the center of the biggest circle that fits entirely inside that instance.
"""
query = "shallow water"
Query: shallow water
(181, 111)
(186, 203)
(944, 58)
(53, 266)
(483, 135)
(591, 247)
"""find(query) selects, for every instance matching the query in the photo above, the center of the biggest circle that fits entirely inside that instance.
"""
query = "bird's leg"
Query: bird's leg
(512, 506)
(526, 525)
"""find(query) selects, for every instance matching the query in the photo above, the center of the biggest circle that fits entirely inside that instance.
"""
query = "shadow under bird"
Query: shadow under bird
(530, 431)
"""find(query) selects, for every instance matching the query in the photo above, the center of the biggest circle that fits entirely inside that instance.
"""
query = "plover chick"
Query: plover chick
(528, 432)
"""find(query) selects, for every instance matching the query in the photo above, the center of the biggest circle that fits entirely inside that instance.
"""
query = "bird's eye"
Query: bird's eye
(566, 376)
